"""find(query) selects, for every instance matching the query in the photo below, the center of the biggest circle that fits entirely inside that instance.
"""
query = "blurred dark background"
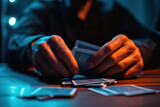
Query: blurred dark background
(10, 13)
(145, 11)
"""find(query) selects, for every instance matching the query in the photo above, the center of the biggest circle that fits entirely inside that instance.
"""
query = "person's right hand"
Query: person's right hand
(52, 58)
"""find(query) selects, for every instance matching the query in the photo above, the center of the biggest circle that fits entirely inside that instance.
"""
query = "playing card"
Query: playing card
(82, 56)
(87, 46)
(79, 82)
(101, 91)
(45, 91)
(129, 90)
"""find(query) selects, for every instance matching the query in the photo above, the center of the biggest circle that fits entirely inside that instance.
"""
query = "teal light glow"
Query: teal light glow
(12, 1)
(12, 21)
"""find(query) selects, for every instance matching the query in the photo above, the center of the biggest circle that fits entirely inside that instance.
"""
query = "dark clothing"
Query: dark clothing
(105, 20)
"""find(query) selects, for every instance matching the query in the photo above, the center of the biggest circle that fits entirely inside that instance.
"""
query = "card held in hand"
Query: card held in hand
(82, 56)
(85, 45)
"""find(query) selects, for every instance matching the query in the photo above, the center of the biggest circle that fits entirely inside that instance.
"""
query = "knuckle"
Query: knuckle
(107, 49)
(123, 37)
(121, 66)
(95, 58)
(131, 44)
(135, 59)
(97, 55)
(55, 38)
(130, 49)
(140, 66)
(42, 46)
(63, 51)
(113, 59)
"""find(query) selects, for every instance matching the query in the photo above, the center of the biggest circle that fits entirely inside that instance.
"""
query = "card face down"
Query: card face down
(101, 91)
(42, 91)
(82, 56)
(82, 51)
(129, 90)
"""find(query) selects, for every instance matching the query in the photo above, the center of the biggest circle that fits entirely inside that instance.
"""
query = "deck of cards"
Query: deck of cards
(82, 51)
(92, 82)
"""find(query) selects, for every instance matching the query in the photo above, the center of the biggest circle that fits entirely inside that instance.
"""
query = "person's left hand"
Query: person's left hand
(120, 57)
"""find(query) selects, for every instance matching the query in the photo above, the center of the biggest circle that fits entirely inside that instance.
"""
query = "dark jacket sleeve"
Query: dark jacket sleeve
(31, 26)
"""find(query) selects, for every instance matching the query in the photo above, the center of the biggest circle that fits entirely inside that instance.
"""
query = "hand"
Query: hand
(52, 58)
(120, 57)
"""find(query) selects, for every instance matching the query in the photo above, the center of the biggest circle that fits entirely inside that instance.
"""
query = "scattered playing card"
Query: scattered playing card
(101, 91)
(127, 90)
(130, 90)
(42, 92)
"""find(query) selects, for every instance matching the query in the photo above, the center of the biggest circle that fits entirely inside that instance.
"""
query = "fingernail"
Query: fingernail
(90, 65)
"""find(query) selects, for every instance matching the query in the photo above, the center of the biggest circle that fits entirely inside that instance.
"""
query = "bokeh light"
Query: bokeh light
(12, 21)
(12, 1)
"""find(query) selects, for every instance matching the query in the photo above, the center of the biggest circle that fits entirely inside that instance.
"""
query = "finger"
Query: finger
(136, 69)
(55, 63)
(45, 66)
(39, 69)
(128, 73)
(121, 65)
(107, 50)
(114, 58)
(58, 44)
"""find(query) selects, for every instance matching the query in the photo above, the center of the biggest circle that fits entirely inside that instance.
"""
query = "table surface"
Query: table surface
(84, 98)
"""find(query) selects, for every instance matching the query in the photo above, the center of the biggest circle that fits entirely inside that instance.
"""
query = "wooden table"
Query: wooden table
(83, 98)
